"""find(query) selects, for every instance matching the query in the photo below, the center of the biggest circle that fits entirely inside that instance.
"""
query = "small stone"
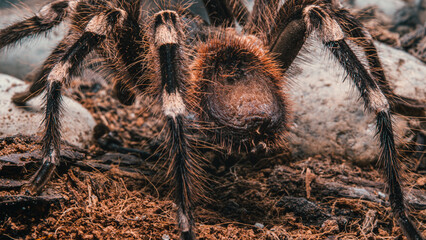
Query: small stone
(259, 225)
(166, 237)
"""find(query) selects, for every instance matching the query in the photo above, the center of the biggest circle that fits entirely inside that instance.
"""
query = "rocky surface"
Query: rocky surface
(77, 122)
(328, 117)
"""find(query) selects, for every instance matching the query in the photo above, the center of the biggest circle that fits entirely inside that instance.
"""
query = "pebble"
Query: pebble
(166, 237)
(259, 225)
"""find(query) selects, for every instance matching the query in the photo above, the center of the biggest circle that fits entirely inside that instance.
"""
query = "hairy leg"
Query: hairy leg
(170, 55)
(319, 16)
(48, 17)
(368, 84)
(95, 32)
(39, 78)
(357, 34)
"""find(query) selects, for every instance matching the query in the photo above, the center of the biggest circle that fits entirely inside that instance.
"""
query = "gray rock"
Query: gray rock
(165, 237)
(259, 225)
(77, 122)
(329, 118)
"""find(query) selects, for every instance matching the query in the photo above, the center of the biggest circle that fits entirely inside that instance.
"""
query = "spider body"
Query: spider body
(245, 101)
(232, 81)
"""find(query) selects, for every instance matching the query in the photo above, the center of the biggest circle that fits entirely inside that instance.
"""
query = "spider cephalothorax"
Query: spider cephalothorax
(227, 82)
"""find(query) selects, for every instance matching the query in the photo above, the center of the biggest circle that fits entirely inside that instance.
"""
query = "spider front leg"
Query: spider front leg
(95, 32)
(171, 62)
(46, 19)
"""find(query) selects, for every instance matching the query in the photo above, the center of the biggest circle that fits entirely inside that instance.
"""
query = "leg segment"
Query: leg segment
(287, 32)
(97, 29)
(358, 35)
(48, 17)
(320, 16)
(170, 55)
(128, 69)
(368, 84)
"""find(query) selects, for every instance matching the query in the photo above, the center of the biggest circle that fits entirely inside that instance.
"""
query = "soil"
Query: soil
(117, 188)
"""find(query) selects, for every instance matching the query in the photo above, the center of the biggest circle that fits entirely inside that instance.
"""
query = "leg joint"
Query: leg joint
(59, 73)
(173, 104)
(166, 28)
(318, 18)
(106, 22)
(378, 101)
(55, 11)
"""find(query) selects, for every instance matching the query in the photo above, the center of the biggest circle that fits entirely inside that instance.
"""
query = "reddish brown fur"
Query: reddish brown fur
(220, 103)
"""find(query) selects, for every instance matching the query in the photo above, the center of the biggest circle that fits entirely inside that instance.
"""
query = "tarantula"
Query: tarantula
(227, 72)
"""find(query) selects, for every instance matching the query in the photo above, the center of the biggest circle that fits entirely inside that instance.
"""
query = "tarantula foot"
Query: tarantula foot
(41, 177)
(37, 87)
(409, 228)
(21, 98)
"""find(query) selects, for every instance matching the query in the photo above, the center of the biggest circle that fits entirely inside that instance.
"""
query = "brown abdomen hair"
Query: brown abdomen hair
(239, 89)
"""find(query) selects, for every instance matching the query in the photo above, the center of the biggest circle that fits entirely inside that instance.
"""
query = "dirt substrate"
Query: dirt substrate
(263, 200)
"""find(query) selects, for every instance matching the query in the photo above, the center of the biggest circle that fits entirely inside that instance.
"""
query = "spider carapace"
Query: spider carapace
(223, 76)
